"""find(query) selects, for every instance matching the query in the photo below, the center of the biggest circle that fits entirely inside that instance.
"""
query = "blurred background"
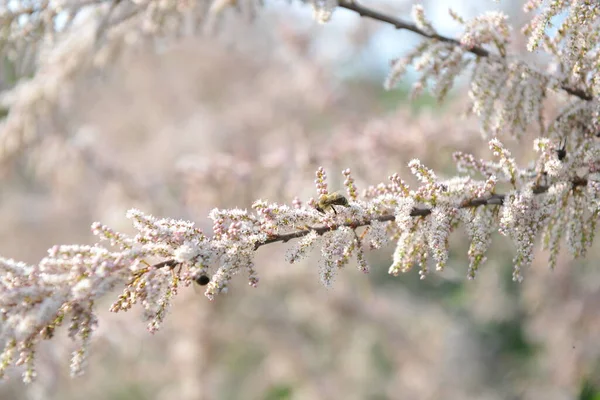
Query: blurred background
(250, 110)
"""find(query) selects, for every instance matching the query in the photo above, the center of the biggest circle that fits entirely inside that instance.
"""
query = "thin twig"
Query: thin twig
(400, 24)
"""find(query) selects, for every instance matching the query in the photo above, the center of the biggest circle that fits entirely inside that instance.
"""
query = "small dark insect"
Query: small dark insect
(328, 201)
(202, 280)
(561, 153)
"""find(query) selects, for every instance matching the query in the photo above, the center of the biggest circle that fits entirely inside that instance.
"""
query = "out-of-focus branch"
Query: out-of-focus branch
(352, 5)
(400, 24)
(490, 200)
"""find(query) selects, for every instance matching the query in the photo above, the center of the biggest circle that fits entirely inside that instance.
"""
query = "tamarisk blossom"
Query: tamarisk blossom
(64, 286)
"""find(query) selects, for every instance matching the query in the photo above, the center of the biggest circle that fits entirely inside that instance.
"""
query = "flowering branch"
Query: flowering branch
(479, 51)
(496, 199)
(66, 285)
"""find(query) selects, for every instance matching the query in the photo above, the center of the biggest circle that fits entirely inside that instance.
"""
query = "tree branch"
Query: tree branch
(352, 5)
(490, 200)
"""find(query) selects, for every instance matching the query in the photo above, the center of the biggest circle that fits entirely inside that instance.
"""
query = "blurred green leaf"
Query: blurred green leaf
(241, 360)
(382, 363)
(133, 391)
(508, 338)
(279, 392)
(10, 71)
(391, 99)
(589, 391)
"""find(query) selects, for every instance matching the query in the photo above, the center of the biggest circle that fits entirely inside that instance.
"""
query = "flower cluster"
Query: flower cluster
(349, 183)
(507, 94)
(575, 43)
(489, 28)
(418, 15)
(435, 61)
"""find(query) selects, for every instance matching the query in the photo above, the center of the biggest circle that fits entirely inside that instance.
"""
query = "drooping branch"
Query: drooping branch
(352, 5)
(490, 200)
